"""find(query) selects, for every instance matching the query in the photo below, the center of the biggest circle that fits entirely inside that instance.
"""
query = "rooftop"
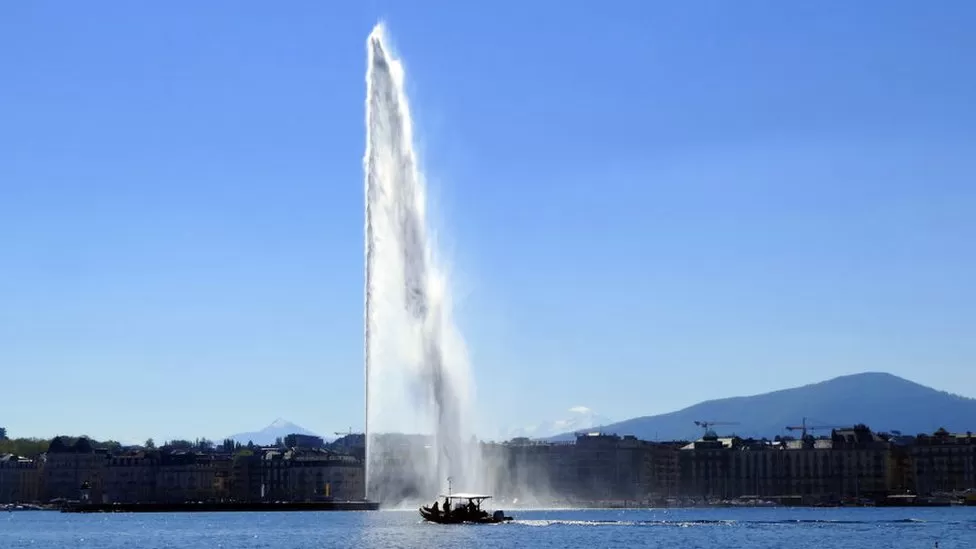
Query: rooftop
(464, 495)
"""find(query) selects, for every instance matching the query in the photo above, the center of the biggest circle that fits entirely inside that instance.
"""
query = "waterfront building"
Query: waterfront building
(662, 470)
(20, 479)
(298, 440)
(594, 469)
(944, 462)
(131, 477)
(860, 463)
(532, 471)
(853, 462)
(755, 468)
(185, 476)
(807, 469)
(612, 468)
(309, 475)
(70, 463)
(399, 466)
(706, 466)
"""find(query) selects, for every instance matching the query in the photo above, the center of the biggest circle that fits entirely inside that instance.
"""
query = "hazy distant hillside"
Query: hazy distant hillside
(882, 401)
(279, 428)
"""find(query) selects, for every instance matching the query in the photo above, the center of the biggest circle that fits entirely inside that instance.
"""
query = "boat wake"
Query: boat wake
(705, 522)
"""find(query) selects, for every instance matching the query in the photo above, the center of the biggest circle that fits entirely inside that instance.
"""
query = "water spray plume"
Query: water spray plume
(417, 375)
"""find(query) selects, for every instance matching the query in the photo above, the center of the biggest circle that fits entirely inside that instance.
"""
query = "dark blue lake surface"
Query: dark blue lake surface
(591, 529)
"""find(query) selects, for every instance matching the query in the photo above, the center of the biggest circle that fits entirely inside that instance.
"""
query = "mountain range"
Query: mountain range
(881, 401)
(268, 435)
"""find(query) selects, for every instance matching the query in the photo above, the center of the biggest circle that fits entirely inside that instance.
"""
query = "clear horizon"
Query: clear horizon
(644, 206)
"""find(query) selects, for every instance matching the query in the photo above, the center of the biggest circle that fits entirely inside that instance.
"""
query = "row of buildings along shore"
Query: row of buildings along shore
(850, 465)
(74, 469)
(855, 464)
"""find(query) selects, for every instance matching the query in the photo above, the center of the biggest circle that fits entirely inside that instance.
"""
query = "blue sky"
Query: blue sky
(645, 204)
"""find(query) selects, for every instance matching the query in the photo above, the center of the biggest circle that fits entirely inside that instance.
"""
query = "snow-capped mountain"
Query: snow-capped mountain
(578, 418)
(278, 428)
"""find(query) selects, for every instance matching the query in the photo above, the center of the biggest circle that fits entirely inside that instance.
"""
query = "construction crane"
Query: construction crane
(804, 427)
(706, 424)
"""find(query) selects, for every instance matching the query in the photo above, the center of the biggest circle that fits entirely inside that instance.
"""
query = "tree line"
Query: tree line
(32, 447)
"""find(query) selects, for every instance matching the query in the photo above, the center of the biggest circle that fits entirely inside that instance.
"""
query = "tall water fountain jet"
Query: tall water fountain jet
(417, 375)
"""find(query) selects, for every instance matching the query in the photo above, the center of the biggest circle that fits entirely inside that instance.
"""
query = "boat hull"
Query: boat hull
(439, 518)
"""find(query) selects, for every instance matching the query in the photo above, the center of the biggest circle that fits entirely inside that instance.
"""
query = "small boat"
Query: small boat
(463, 509)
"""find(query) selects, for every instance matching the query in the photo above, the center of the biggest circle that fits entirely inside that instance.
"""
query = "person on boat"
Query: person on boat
(447, 507)
(435, 509)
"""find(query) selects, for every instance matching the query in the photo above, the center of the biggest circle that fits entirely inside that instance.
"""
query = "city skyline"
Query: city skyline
(593, 470)
(663, 213)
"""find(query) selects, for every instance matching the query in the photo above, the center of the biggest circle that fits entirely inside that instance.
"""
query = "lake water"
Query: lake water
(590, 529)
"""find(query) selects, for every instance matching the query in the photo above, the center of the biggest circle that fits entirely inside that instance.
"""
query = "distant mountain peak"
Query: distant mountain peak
(867, 376)
(279, 428)
(577, 418)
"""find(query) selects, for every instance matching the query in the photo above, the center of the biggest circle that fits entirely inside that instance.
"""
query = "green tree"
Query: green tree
(113, 446)
(150, 444)
(26, 447)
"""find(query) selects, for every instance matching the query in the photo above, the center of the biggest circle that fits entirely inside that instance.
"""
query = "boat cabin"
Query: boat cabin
(464, 499)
